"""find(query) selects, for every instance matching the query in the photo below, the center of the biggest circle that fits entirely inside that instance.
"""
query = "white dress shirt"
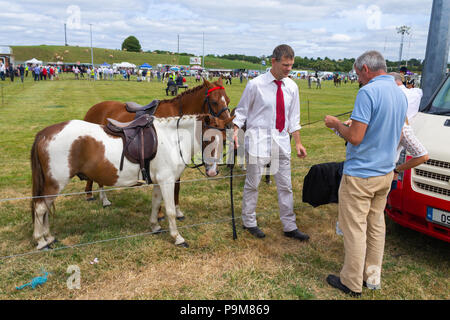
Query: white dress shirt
(414, 95)
(257, 109)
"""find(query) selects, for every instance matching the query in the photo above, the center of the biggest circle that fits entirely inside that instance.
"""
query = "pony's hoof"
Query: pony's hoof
(181, 218)
(106, 205)
(183, 245)
(161, 218)
(51, 241)
(46, 248)
(90, 199)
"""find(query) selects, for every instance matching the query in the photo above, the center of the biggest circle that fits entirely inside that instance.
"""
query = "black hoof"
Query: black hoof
(183, 245)
(181, 218)
(47, 247)
(161, 218)
(90, 199)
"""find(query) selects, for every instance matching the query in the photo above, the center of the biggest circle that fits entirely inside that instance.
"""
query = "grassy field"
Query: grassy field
(83, 54)
(143, 266)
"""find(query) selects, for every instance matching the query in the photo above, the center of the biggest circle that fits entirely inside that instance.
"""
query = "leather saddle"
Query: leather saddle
(149, 109)
(140, 142)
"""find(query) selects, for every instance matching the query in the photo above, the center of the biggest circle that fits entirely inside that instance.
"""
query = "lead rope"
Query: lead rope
(233, 223)
(196, 166)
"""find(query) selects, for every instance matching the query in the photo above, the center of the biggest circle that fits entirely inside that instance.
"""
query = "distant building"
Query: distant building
(6, 55)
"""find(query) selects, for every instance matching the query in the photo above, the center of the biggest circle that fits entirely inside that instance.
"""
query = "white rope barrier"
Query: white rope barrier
(132, 187)
(84, 244)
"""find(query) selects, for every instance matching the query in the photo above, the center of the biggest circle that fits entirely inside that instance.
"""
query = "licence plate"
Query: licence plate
(438, 216)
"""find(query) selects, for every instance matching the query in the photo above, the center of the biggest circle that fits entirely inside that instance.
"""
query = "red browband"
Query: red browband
(215, 88)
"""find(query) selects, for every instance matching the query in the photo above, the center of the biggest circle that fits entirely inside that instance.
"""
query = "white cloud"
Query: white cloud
(339, 37)
(333, 28)
(319, 30)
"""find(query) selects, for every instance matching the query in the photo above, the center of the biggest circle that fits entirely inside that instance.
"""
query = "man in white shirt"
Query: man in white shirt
(270, 109)
(2, 71)
(413, 95)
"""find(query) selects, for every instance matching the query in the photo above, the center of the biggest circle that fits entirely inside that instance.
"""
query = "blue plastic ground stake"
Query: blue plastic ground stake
(35, 282)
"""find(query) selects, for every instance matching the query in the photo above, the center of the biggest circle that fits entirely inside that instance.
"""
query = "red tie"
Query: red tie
(279, 124)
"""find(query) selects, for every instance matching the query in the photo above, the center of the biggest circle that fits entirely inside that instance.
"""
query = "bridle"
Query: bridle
(207, 103)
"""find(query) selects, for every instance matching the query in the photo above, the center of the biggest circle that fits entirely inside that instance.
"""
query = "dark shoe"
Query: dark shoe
(255, 231)
(297, 234)
(335, 282)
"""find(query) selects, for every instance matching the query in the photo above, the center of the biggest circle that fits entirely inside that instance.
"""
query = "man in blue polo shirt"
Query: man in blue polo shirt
(373, 137)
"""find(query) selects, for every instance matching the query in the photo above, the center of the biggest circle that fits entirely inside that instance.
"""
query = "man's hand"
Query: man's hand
(331, 122)
(301, 151)
(353, 131)
(235, 136)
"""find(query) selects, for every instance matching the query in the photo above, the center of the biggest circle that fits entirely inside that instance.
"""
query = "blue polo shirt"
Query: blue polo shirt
(382, 106)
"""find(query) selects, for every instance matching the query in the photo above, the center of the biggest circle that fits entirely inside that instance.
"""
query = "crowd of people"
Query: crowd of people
(22, 71)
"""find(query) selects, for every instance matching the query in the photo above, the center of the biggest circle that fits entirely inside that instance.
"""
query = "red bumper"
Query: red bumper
(409, 209)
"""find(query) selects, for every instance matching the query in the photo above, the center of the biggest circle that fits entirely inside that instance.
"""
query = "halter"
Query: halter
(210, 110)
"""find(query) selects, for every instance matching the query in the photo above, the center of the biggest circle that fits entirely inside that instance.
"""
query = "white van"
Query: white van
(422, 198)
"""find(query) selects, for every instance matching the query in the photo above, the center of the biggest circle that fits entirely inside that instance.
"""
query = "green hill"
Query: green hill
(83, 54)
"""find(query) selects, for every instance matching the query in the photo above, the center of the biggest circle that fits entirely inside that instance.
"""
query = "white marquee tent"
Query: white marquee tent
(125, 65)
(33, 61)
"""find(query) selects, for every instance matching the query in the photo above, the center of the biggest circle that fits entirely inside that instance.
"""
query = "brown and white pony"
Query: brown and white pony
(206, 98)
(64, 150)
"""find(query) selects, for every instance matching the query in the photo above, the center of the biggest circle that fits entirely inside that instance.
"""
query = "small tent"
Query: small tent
(145, 66)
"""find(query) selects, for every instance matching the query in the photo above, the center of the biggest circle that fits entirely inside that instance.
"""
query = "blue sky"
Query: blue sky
(318, 28)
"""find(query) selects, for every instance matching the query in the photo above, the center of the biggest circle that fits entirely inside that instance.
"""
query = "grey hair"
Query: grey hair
(372, 59)
(396, 75)
(283, 50)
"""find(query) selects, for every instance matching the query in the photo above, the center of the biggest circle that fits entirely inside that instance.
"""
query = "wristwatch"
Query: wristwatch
(396, 171)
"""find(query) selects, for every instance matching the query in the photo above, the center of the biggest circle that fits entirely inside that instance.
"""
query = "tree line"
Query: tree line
(326, 64)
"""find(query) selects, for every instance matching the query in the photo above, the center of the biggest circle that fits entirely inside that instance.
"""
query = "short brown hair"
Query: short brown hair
(283, 50)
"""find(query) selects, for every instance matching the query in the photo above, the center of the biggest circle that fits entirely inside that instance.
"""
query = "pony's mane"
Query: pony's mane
(169, 120)
(186, 92)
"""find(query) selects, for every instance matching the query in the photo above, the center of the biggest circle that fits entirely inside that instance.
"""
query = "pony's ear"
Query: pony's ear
(205, 81)
(220, 81)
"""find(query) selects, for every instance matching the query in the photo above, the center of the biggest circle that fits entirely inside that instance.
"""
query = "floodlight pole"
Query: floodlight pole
(92, 51)
(402, 30)
(65, 35)
(203, 59)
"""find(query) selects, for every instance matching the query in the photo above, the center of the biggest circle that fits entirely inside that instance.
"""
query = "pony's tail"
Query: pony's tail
(37, 174)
